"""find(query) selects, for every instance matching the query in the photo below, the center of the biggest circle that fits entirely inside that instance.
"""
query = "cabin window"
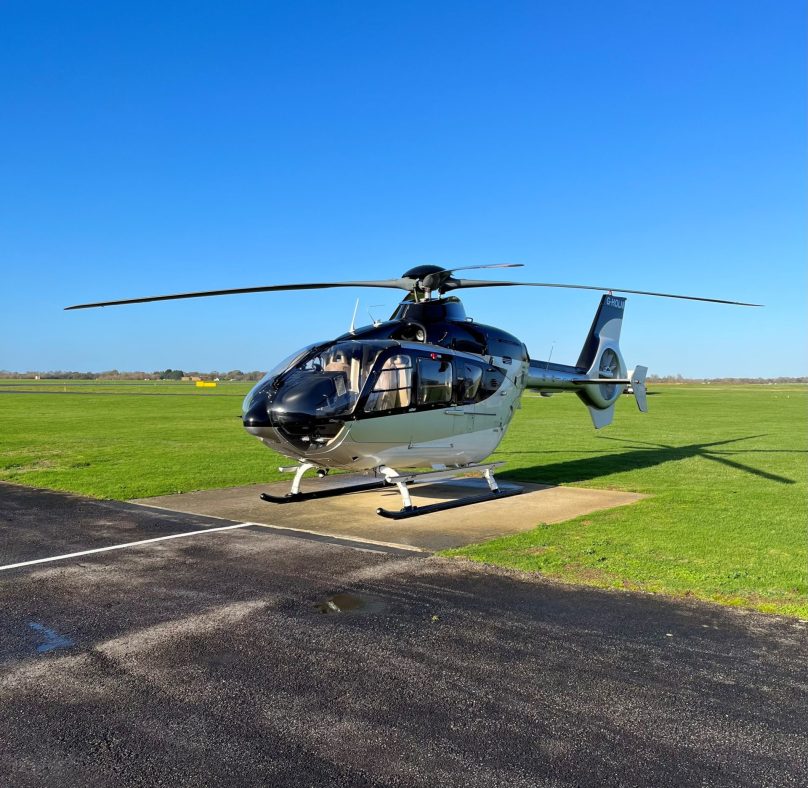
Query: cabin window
(392, 389)
(493, 378)
(434, 381)
(469, 377)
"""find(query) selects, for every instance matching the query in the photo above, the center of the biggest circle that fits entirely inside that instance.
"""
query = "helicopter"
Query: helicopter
(427, 388)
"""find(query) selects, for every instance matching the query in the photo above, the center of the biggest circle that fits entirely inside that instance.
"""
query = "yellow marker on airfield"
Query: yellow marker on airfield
(205, 384)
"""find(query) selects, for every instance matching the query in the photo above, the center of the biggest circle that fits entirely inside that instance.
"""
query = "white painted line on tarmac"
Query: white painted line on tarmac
(180, 511)
(124, 545)
(293, 529)
(342, 537)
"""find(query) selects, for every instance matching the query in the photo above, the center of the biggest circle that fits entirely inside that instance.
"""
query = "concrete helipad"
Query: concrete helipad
(354, 515)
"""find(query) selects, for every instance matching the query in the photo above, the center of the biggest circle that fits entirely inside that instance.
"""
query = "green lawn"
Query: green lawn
(128, 440)
(725, 468)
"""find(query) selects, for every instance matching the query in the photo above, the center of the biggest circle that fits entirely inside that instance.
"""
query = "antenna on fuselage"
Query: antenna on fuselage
(374, 320)
(352, 329)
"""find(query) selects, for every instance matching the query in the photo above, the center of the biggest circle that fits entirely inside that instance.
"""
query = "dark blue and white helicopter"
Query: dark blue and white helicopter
(428, 388)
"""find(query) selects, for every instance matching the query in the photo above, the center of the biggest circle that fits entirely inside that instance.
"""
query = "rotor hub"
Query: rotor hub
(427, 278)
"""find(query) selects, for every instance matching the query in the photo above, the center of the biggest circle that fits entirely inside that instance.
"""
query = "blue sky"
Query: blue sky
(152, 148)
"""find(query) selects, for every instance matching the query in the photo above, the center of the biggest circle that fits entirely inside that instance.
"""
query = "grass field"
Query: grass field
(725, 469)
(127, 440)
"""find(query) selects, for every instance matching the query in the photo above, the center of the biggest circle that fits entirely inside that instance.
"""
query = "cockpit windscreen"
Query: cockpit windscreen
(347, 366)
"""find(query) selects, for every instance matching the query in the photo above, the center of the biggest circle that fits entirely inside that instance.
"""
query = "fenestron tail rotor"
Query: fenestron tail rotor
(420, 282)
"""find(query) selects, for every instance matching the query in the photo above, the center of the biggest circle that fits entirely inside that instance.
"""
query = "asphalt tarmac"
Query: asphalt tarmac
(249, 656)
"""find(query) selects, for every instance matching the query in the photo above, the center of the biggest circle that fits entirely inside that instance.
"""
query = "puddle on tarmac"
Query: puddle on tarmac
(51, 639)
(348, 603)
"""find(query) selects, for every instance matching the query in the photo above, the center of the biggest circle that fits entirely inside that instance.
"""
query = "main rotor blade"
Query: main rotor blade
(400, 284)
(454, 284)
(491, 265)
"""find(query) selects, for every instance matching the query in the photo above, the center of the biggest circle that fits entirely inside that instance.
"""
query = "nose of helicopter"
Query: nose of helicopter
(257, 416)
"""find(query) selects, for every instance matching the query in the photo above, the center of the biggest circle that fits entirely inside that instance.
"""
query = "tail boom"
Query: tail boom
(600, 375)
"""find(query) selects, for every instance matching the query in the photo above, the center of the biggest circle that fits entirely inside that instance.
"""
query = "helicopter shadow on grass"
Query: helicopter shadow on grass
(640, 455)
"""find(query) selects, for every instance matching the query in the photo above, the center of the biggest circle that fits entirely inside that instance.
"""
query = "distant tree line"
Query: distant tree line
(681, 379)
(114, 374)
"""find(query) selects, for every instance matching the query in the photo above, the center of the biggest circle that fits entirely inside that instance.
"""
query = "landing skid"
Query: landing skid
(417, 511)
(294, 495)
(329, 493)
(402, 482)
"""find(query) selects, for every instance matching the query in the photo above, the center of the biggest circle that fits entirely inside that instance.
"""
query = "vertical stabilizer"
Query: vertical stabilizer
(605, 329)
(637, 385)
(601, 418)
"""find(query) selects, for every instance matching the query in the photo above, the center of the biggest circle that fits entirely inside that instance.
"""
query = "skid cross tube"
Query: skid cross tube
(418, 477)
(410, 510)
